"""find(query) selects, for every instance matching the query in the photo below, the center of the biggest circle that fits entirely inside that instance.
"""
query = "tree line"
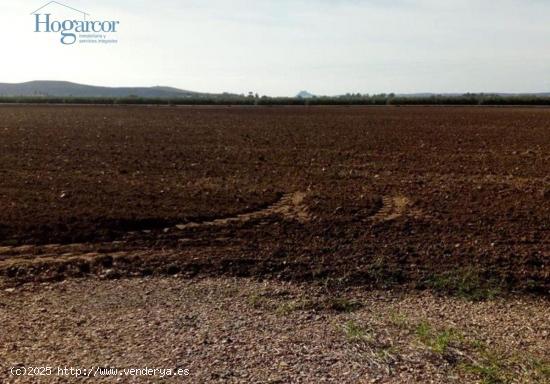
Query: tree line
(348, 99)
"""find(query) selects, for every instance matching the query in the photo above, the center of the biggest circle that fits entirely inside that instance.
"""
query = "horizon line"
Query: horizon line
(295, 93)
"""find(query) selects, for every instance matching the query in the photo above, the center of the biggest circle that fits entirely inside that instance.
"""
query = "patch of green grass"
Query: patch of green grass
(259, 301)
(497, 367)
(468, 283)
(490, 368)
(423, 330)
(341, 304)
(443, 340)
(473, 356)
(294, 305)
(438, 341)
(356, 332)
(398, 319)
(478, 344)
(494, 366)
(541, 369)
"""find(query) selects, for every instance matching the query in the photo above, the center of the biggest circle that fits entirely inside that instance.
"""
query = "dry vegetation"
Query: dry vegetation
(243, 331)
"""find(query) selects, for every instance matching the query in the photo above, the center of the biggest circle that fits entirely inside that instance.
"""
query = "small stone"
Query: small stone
(111, 274)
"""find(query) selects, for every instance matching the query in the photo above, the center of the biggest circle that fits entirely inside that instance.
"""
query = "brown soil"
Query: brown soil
(455, 199)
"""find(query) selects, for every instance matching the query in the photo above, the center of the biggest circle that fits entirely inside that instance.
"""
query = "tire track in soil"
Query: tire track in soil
(392, 208)
(290, 206)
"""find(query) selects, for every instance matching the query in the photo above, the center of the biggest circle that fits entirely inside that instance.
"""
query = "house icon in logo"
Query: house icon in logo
(84, 14)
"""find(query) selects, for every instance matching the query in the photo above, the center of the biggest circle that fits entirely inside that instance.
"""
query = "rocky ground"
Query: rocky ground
(229, 330)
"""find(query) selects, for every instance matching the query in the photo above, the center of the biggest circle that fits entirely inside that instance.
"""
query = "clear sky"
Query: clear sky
(279, 47)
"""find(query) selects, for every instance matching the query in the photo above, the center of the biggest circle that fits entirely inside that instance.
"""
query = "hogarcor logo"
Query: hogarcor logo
(76, 29)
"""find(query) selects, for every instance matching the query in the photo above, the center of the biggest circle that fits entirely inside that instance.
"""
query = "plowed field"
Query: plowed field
(454, 199)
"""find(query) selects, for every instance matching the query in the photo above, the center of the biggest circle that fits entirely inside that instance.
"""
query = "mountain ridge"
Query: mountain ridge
(52, 88)
(55, 88)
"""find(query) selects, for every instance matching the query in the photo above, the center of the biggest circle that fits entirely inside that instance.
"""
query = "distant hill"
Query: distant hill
(305, 95)
(68, 89)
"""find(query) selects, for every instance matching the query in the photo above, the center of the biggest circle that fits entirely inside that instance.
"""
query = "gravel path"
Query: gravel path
(245, 331)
